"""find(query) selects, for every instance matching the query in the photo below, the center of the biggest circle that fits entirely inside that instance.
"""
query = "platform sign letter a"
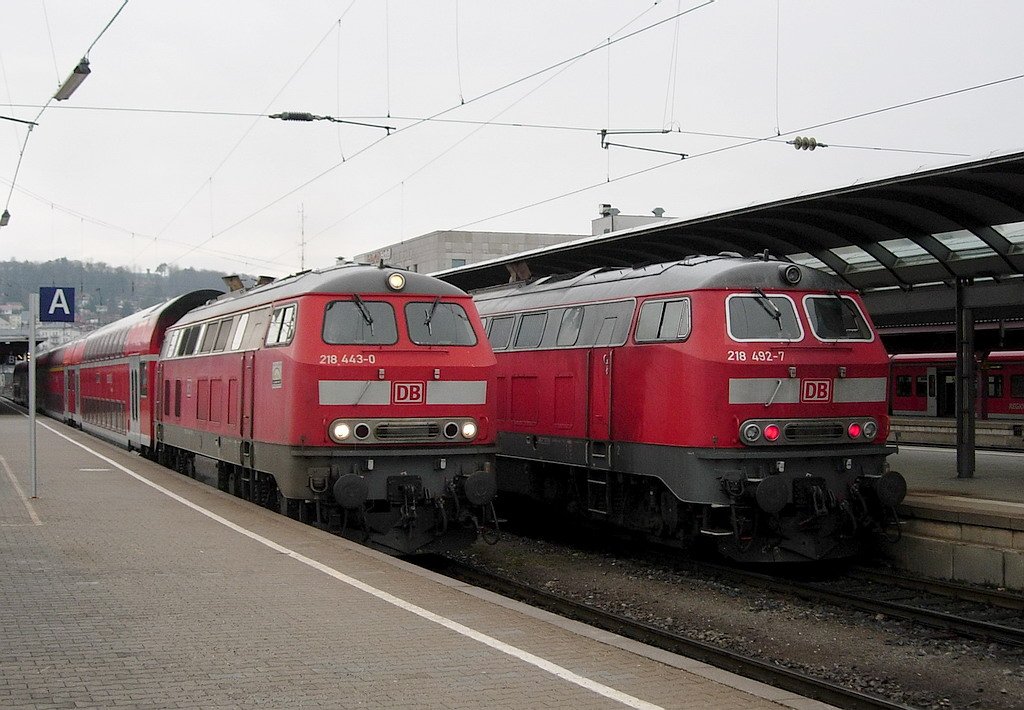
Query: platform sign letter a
(57, 304)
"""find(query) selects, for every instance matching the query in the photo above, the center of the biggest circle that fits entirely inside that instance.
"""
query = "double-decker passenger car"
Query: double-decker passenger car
(357, 397)
(740, 399)
(924, 385)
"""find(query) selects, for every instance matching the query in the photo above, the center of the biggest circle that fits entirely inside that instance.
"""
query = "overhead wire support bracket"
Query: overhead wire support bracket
(304, 116)
(606, 144)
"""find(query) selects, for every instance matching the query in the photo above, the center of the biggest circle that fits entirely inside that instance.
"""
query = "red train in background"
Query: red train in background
(924, 385)
(356, 397)
(736, 399)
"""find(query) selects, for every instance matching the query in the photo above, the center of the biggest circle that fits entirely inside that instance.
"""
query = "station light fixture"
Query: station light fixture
(5, 218)
(73, 81)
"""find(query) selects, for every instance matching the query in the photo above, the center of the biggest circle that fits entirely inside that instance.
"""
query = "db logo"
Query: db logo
(408, 392)
(815, 390)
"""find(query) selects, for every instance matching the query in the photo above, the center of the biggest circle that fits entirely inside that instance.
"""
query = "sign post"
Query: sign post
(53, 304)
(33, 313)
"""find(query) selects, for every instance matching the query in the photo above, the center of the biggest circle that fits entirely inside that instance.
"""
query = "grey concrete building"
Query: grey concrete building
(448, 249)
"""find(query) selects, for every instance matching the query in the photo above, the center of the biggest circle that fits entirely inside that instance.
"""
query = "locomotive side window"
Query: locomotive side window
(606, 323)
(531, 328)
(209, 338)
(501, 332)
(187, 341)
(236, 342)
(282, 326)
(224, 330)
(569, 328)
(359, 322)
(759, 317)
(172, 344)
(439, 323)
(664, 320)
(836, 318)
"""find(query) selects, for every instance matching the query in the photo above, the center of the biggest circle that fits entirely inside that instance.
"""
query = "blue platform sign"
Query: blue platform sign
(56, 304)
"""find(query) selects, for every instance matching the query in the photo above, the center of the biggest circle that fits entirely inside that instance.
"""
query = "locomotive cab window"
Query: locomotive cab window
(664, 320)
(439, 323)
(359, 322)
(282, 326)
(500, 332)
(836, 318)
(759, 317)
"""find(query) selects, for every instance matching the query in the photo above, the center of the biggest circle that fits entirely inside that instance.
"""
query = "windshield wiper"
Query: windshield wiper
(361, 305)
(769, 307)
(430, 314)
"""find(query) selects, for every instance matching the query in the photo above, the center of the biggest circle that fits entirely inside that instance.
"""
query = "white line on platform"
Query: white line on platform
(21, 493)
(525, 656)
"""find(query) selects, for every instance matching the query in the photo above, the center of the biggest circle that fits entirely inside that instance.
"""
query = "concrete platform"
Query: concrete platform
(125, 584)
(970, 530)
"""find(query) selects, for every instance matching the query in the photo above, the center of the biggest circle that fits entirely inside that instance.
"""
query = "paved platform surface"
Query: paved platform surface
(124, 584)
(994, 496)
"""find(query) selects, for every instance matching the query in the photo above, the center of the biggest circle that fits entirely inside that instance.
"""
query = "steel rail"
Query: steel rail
(741, 664)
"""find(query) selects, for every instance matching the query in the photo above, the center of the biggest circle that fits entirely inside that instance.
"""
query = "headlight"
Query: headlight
(396, 281)
(339, 431)
(751, 432)
(870, 430)
(469, 430)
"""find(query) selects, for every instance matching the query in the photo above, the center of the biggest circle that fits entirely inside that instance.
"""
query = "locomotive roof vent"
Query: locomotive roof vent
(732, 254)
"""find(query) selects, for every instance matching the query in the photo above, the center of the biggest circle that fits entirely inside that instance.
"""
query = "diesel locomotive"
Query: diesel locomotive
(736, 400)
(355, 397)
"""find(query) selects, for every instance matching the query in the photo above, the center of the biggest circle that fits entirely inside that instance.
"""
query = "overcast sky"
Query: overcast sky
(165, 153)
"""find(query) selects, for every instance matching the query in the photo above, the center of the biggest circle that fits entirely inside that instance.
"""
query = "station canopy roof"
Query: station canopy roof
(902, 242)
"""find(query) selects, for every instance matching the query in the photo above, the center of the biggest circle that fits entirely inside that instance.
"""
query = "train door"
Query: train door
(67, 393)
(77, 406)
(134, 384)
(248, 404)
(599, 407)
(945, 400)
(930, 392)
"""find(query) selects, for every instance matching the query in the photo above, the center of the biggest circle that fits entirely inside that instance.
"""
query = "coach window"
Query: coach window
(903, 385)
(995, 386)
(438, 323)
(1017, 386)
(760, 317)
(282, 326)
(236, 342)
(836, 318)
(921, 386)
(359, 322)
(501, 332)
(531, 328)
(664, 320)
(569, 328)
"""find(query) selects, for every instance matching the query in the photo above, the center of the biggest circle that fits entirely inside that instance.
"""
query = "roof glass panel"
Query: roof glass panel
(1014, 232)
(903, 248)
(805, 259)
(853, 255)
(963, 242)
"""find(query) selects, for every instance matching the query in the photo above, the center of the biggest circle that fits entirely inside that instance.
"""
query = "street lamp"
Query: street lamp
(73, 81)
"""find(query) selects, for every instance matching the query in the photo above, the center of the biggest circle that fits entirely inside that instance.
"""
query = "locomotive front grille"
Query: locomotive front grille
(814, 431)
(407, 431)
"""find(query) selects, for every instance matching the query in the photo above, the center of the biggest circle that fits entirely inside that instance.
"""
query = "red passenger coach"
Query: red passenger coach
(924, 385)
(742, 400)
(101, 382)
(356, 397)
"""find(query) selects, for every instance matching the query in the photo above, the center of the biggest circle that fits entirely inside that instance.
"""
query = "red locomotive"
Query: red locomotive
(356, 397)
(740, 399)
(924, 385)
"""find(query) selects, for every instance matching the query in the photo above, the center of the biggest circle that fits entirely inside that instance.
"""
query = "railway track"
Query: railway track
(741, 664)
(989, 615)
